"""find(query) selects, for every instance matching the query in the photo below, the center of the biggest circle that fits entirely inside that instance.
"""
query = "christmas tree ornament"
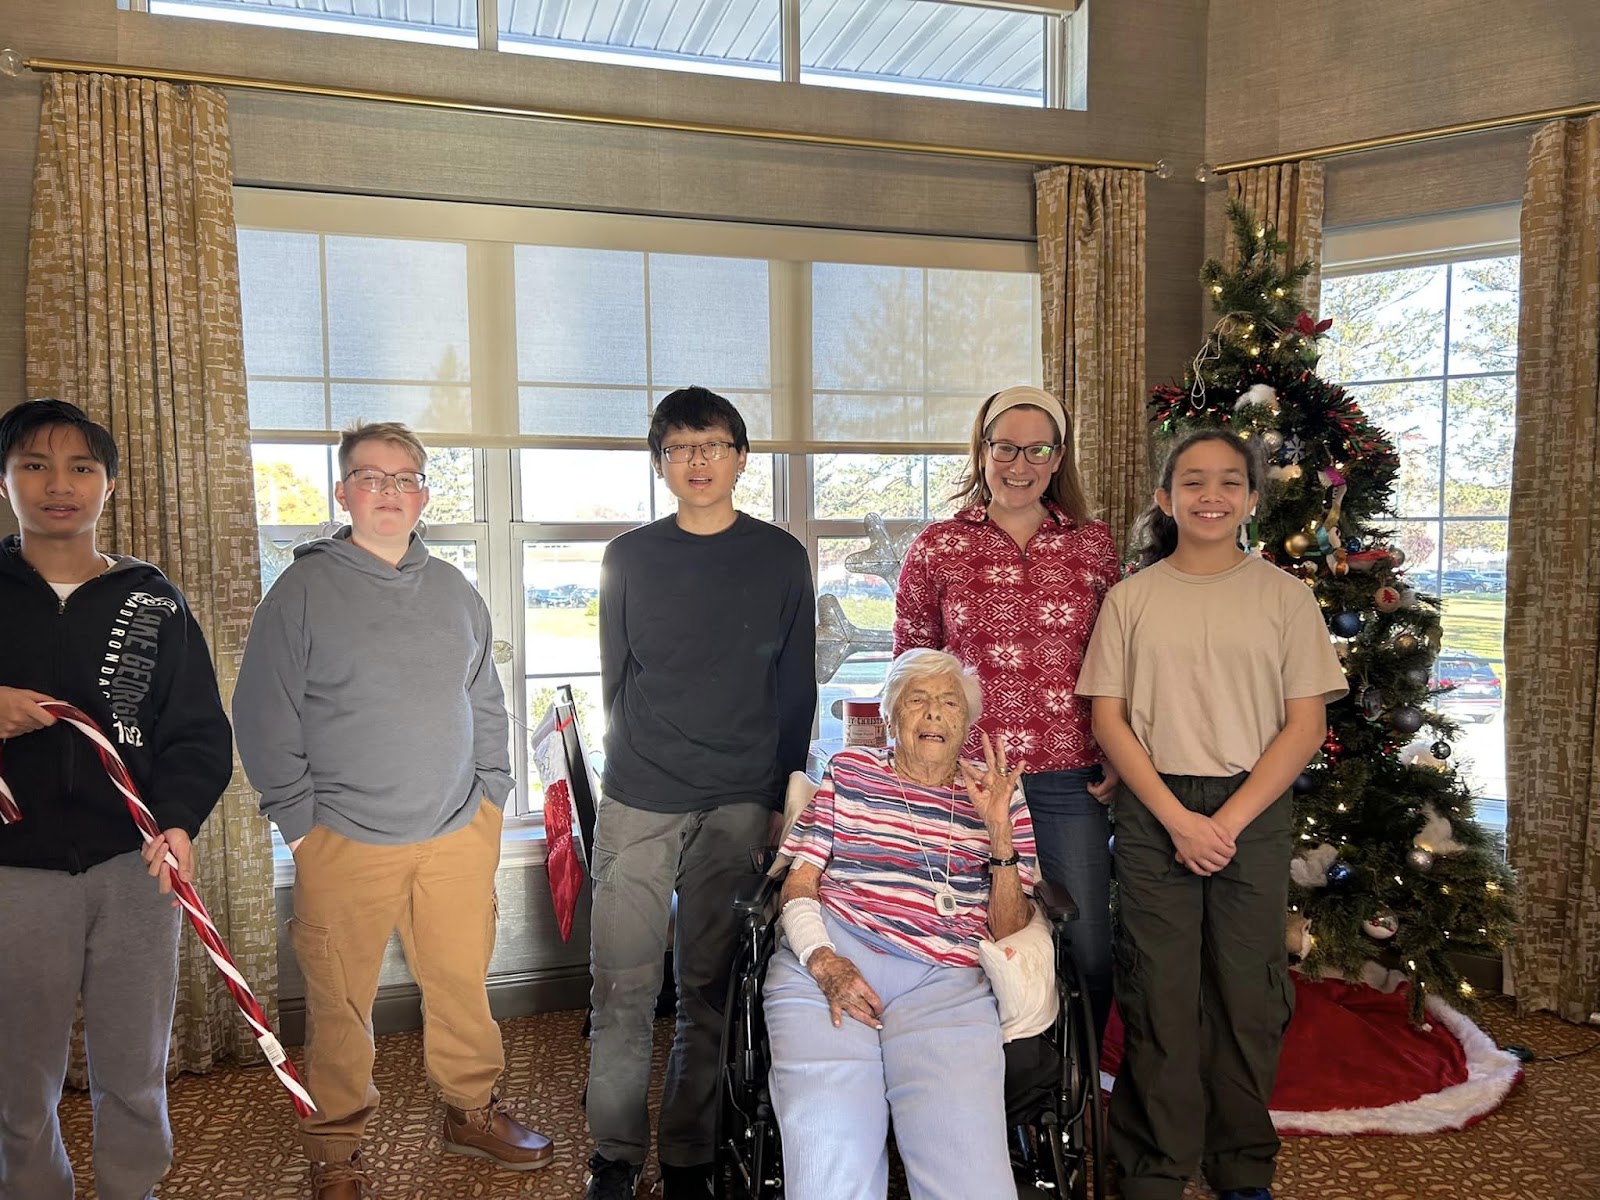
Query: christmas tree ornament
(1372, 702)
(1263, 394)
(1386, 599)
(1310, 870)
(1415, 676)
(1420, 859)
(1354, 544)
(1407, 719)
(1405, 641)
(1397, 556)
(1346, 624)
(1339, 564)
(1381, 926)
(1294, 449)
(1339, 873)
(1440, 749)
(1272, 442)
(1298, 544)
(1303, 783)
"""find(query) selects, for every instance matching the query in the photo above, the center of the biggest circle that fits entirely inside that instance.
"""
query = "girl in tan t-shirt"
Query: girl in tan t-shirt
(1210, 670)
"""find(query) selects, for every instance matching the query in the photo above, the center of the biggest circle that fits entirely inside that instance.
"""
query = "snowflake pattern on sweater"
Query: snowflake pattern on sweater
(1020, 618)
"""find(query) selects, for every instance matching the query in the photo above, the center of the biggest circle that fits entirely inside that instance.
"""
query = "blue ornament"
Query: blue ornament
(1303, 783)
(1339, 873)
(1346, 624)
(1294, 449)
(1353, 545)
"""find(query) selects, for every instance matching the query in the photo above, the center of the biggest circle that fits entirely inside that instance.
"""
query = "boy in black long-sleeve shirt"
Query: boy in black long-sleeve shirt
(707, 651)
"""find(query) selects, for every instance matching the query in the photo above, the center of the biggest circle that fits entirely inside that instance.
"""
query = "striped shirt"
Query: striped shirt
(883, 866)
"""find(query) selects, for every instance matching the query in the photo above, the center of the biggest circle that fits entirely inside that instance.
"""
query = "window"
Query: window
(528, 349)
(443, 22)
(1429, 351)
(1007, 52)
(925, 48)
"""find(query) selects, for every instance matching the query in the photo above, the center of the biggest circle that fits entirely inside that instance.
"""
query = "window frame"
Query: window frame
(1439, 240)
(1064, 31)
(500, 528)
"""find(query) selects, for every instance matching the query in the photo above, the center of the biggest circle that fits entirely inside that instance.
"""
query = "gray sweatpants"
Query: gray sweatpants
(109, 935)
(639, 858)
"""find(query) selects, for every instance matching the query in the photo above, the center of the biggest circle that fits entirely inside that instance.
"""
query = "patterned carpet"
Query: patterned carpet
(234, 1131)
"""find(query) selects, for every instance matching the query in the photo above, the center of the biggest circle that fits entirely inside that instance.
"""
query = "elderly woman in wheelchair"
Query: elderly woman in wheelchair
(904, 862)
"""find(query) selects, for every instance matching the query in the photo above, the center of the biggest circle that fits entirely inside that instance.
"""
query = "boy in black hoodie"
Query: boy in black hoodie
(81, 905)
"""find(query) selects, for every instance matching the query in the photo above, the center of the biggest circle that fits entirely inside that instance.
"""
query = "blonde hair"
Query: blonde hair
(922, 664)
(392, 432)
(1065, 487)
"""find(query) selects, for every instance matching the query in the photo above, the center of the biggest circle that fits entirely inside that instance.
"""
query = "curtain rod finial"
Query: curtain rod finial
(1205, 173)
(1162, 170)
(10, 63)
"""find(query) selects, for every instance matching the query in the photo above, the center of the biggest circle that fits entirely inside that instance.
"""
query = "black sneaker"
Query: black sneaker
(688, 1183)
(611, 1180)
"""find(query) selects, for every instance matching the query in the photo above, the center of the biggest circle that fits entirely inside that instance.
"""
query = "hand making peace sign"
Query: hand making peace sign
(991, 792)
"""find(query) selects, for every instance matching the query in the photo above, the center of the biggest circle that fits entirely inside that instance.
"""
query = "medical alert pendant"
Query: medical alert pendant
(945, 901)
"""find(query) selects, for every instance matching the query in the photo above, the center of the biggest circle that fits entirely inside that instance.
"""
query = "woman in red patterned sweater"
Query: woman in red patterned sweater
(1011, 585)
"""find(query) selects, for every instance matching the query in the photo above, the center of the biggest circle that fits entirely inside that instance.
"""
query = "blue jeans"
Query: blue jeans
(1073, 831)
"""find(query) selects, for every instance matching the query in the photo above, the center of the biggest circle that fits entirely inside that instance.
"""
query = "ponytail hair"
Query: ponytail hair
(1155, 534)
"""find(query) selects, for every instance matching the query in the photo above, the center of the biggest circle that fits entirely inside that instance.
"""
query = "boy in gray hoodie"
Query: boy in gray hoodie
(369, 717)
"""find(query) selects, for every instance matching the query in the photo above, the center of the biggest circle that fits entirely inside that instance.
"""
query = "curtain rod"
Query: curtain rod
(1407, 139)
(48, 65)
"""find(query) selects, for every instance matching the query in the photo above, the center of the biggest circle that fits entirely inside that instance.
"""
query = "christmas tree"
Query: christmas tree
(1391, 867)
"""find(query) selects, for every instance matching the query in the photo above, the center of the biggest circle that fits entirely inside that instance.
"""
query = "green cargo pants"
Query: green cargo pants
(1202, 982)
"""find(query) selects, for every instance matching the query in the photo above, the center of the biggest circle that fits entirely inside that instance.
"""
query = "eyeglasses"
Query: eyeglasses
(370, 479)
(1039, 453)
(712, 451)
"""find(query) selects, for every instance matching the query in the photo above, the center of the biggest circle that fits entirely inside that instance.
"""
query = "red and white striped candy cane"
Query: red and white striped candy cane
(187, 897)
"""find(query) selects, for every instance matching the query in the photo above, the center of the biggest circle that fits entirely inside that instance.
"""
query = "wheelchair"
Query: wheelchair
(1053, 1105)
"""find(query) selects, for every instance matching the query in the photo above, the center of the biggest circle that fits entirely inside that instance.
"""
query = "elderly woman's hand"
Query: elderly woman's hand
(991, 791)
(846, 990)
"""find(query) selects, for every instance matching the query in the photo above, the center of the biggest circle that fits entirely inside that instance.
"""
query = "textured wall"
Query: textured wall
(1286, 77)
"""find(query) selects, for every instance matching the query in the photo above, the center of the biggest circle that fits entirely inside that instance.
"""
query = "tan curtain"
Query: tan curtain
(1288, 198)
(1091, 280)
(1553, 592)
(133, 314)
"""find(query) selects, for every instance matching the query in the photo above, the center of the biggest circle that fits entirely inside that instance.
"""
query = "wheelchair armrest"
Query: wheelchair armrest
(1057, 901)
(757, 895)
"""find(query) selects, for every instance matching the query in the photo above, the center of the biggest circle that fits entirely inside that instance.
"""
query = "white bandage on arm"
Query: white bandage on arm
(803, 927)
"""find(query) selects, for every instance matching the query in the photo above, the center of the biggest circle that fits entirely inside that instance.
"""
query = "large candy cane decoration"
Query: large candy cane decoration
(204, 927)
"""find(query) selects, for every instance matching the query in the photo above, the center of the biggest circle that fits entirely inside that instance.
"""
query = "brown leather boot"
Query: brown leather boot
(341, 1180)
(489, 1132)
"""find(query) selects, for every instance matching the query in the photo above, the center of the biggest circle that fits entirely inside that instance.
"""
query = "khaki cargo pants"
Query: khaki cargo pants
(348, 897)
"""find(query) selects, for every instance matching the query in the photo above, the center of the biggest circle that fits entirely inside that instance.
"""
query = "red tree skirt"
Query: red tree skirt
(1354, 1063)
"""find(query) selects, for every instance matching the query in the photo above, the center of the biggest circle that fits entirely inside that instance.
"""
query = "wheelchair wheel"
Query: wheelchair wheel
(748, 1156)
(1077, 1143)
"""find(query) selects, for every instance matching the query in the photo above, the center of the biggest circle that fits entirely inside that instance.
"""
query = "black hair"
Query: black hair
(19, 425)
(1155, 534)
(695, 408)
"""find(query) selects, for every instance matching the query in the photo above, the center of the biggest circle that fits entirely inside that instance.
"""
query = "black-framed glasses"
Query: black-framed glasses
(712, 451)
(370, 479)
(1038, 453)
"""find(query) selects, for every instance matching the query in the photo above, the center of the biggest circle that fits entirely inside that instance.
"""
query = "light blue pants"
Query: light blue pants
(936, 1067)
